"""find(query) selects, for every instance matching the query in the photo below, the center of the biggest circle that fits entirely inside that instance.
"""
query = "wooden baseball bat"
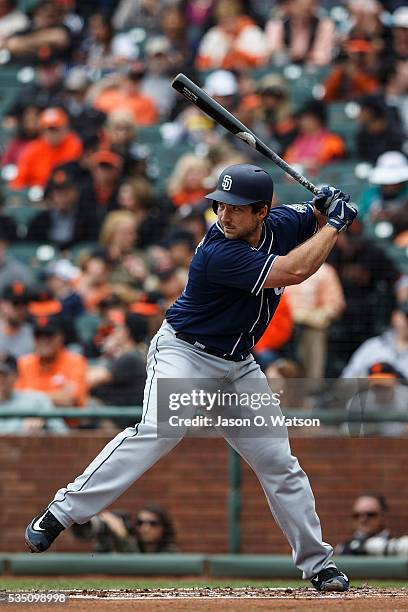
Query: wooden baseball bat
(213, 109)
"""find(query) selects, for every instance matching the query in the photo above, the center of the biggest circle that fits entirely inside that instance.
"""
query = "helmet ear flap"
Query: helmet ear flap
(215, 206)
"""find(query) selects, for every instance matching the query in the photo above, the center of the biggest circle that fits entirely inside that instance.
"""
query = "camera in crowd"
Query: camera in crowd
(150, 531)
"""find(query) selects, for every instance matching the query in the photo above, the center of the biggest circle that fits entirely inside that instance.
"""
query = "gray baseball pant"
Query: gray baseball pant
(133, 451)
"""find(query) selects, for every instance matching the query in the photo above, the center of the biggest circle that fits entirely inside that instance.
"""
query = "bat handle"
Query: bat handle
(302, 180)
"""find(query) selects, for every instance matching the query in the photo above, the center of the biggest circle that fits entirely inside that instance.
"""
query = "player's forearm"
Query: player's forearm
(303, 261)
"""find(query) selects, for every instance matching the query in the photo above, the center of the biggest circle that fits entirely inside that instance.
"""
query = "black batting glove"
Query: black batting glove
(326, 196)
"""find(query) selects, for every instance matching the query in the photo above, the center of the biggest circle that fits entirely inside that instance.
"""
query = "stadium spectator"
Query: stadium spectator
(60, 277)
(275, 112)
(123, 92)
(151, 531)
(396, 89)
(400, 32)
(366, 22)
(235, 41)
(181, 246)
(103, 51)
(299, 34)
(11, 269)
(153, 215)
(12, 20)
(85, 120)
(109, 532)
(170, 284)
(371, 535)
(80, 168)
(195, 127)
(287, 378)
(174, 27)
(367, 275)
(120, 132)
(26, 132)
(390, 347)
(44, 92)
(315, 304)
(101, 193)
(268, 348)
(119, 378)
(56, 145)
(314, 146)
(12, 399)
(93, 285)
(66, 220)
(222, 85)
(354, 74)
(138, 13)
(16, 334)
(192, 219)
(46, 37)
(157, 80)
(53, 369)
(154, 530)
(387, 196)
(118, 237)
(186, 183)
(380, 129)
(387, 391)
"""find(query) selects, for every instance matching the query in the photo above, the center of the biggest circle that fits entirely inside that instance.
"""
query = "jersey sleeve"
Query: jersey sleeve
(294, 222)
(240, 266)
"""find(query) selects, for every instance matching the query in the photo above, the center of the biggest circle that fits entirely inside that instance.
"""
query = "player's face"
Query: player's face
(240, 222)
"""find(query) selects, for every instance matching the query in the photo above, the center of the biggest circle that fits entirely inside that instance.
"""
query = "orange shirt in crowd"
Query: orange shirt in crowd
(188, 197)
(67, 368)
(340, 86)
(315, 150)
(142, 107)
(279, 329)
(245, 47)
(40, 158)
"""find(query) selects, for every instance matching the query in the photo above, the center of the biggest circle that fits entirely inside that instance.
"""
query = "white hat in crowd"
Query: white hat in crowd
(158, 45)
(400, 17)
(391, 168)
(221, 83)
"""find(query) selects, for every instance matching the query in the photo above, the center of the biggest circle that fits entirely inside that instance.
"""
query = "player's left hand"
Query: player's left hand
(326, 196)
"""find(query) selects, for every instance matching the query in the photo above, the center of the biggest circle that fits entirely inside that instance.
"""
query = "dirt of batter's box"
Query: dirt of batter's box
(199, 599)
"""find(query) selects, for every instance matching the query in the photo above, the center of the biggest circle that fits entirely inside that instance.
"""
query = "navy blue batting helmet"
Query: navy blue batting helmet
(241, 185)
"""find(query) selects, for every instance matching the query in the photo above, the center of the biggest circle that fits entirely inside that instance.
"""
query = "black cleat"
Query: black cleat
(42, 531)
(330, 579)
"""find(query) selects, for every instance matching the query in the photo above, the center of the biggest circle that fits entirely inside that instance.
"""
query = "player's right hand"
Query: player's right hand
(326, 196)
(341, 214)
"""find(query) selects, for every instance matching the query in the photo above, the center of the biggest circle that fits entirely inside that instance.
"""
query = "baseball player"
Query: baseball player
(236, 278)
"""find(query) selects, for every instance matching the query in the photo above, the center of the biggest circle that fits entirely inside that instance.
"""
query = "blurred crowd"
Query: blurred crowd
(104, 169)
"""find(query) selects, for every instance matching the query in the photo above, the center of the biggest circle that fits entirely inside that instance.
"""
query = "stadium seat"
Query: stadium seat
(342, 175)
(22, 215)
(26, 252)
(86, 326)
(149, 135)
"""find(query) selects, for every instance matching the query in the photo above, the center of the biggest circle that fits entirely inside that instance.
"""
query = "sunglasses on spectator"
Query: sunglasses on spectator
(367, 514)
(152, 523)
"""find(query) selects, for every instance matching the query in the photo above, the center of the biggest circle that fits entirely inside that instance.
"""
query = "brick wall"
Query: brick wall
(192, 483)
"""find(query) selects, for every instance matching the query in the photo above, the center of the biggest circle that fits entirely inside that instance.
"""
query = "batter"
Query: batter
(236, 278)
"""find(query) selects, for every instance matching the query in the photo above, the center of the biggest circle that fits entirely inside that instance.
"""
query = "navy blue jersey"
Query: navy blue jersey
(224, 305)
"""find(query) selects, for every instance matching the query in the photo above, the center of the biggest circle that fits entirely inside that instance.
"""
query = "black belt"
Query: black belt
(209, 349)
